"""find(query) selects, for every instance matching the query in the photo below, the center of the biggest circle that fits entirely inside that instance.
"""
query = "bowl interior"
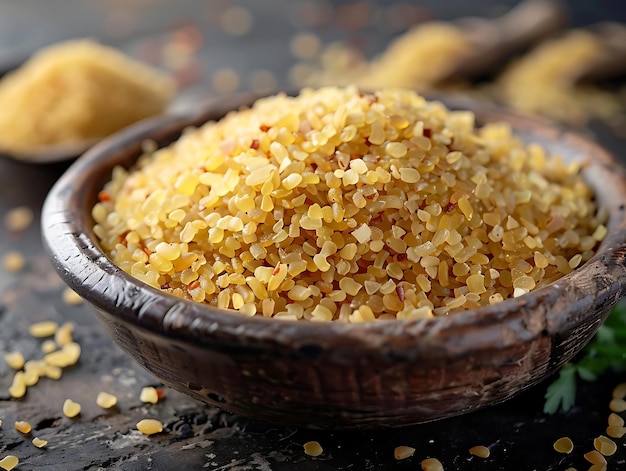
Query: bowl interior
(546, 327)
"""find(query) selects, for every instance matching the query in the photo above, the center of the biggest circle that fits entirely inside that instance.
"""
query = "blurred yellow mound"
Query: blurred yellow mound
(76, 91)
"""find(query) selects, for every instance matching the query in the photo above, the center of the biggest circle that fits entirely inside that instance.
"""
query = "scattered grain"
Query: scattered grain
(403, 452)
(14, 360)
(63, 335)
(43, 329)
(18, 219)
(594, 457)
(617, 405)
(106, 400)
(564, 445)
(68, 355)
(149, 426)
(432, 464)
(13, 261)
(313, 448)
(70, 408)
(66, 105)
(17, 389)
(39, 443)
(71, 297)
(616, 431)
(604, 445)
(22, 426)
(48, 346)
(9, 462)
(619, 392)
(480, 451)
(615, 419)
(149, 395)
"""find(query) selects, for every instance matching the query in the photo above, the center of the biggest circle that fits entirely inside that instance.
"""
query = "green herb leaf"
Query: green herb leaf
(562, 393)
(607, 351)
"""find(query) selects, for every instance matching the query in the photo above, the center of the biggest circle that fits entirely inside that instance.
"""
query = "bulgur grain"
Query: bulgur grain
(619, 392)
(480, 451)
(13, 261)
(17, 389)
(149, 395)
(63, 335)
(39, 442)
(604, 445)
(564, 445)
(71, 409)
(71, 297)
(149, 426)
(594, 457)
(68, 355)
(431, 464)
(617, 405)
(403, 452)
(9, 462)
(43, 329)
(22, 427)
(313, 448)
(371, 199)
(616, 431)
(106, 400)
(14, 360)
(48, 346)
(18, 219)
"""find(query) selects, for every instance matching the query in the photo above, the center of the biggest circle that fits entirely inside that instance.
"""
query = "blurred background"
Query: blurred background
(223, 46)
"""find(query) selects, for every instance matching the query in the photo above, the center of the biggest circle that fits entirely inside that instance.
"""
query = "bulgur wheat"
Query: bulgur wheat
(340, 205)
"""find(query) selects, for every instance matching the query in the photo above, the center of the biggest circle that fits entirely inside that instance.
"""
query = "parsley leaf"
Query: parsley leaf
(607, 351)
(562, 393)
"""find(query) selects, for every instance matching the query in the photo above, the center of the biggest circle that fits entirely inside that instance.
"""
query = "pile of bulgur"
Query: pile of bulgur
(340, 205)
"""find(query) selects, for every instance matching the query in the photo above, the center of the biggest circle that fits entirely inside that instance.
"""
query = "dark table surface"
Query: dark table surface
(196, 436)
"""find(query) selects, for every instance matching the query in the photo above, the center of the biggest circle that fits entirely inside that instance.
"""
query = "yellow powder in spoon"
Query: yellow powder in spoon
(74, 92)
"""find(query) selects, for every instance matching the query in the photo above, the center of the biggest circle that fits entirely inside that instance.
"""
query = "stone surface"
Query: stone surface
(195, 436)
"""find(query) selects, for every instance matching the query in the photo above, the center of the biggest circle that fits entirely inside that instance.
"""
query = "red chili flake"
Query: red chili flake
(450, 207)
(371, 196)
(361, 94)
(367, 142)
(194, 284)
(123, 237)
(104, 196)
(255, 144)
(165, 286)
(400, 292)
(376, 159)
(402, 257)
(264, 127)
(276, 270)
(427, 132)
(160, 394)
(373, 99)
(146, 251)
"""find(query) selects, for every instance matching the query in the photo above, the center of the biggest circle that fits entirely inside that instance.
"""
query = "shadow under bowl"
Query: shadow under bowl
(335, 375)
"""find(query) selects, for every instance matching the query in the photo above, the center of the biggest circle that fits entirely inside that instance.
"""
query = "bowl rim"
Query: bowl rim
(85, 268)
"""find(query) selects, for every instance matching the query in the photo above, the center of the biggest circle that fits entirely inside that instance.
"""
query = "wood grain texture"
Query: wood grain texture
(335, 375)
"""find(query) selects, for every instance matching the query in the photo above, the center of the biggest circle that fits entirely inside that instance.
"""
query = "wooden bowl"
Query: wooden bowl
(334, 375)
